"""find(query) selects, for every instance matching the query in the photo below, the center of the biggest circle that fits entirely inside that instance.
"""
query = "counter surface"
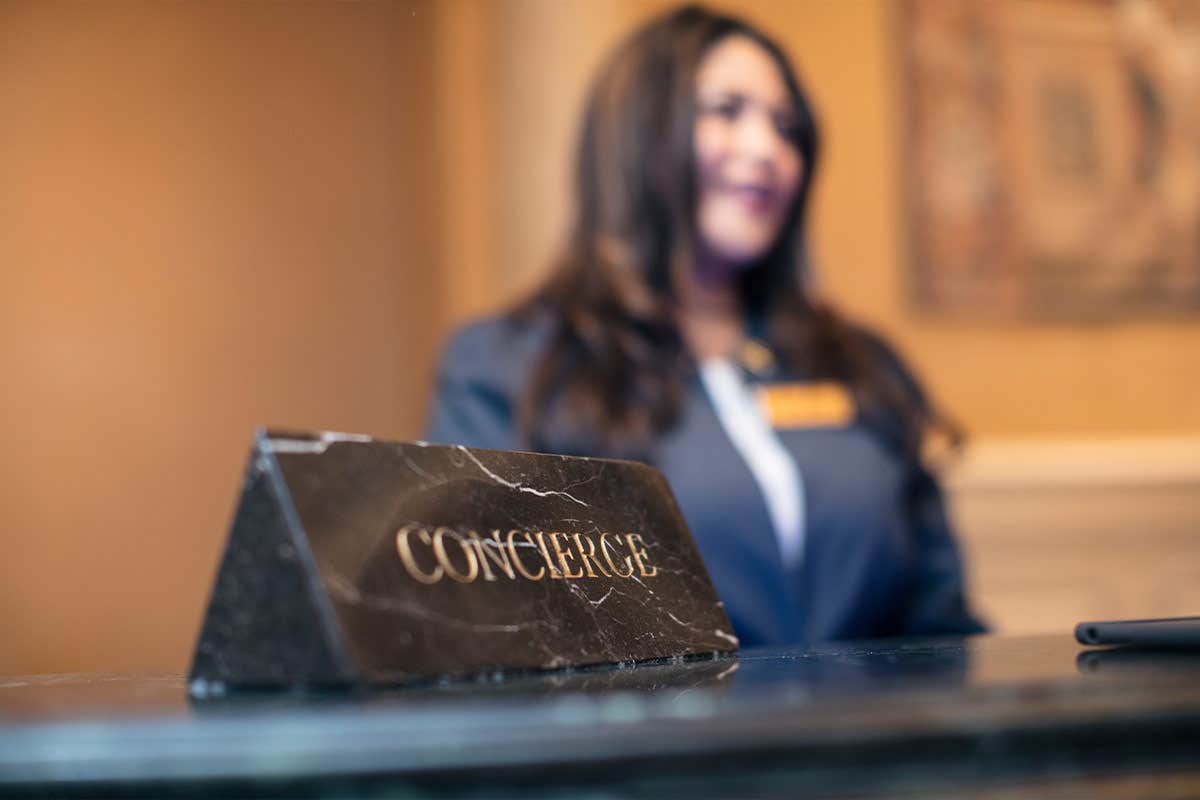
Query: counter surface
(889, 718)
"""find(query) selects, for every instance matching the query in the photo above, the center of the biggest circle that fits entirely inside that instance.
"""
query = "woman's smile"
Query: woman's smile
(748, 165)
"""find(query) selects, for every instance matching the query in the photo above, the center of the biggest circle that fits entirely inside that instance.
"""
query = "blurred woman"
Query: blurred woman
(679, 328)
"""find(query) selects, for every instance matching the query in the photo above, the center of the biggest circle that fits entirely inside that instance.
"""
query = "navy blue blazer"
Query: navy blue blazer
(879, 556)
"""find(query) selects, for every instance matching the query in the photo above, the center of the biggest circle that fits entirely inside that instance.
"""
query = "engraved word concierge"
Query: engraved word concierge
(535, 555)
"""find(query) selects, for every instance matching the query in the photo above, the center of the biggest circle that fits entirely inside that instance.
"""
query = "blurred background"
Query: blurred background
(220, 215)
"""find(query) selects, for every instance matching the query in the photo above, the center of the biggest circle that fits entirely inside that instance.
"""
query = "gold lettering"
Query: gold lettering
(589, 557)
(516, 559)
(604, 548)
(439, 549)
(564, 556)
(640, 555)
(491, 549)
(406, 555)
(554, 573)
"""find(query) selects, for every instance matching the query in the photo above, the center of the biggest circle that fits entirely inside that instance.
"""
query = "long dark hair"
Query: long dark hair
(613, 375)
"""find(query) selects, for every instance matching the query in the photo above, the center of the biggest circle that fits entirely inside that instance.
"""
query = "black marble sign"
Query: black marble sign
(360, 561)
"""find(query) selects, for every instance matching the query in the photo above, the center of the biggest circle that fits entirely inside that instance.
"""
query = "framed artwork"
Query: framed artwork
(1053, 157)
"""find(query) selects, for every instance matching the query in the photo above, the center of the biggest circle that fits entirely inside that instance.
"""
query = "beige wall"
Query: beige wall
(215, 215)
(212, 216)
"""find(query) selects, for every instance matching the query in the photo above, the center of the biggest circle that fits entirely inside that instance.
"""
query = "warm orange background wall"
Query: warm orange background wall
(215, 215)
(212, 216)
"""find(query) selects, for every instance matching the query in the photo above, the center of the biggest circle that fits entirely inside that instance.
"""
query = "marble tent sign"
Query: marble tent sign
(359, 561)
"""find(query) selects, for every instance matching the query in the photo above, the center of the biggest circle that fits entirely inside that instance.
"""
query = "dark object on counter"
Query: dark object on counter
(357, 561)
(1167, 632)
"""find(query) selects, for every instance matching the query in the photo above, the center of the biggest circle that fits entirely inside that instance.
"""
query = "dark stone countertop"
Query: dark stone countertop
(926, 718)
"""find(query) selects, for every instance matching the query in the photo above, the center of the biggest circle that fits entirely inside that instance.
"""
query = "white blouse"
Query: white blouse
(770, 463)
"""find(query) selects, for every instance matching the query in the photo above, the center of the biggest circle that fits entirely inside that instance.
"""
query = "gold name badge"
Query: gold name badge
(824, 404)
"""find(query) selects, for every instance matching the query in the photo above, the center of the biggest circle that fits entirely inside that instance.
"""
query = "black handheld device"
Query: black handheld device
(1168, 632)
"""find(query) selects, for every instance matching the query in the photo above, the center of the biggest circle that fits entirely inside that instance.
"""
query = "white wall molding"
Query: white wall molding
(1077, 462)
